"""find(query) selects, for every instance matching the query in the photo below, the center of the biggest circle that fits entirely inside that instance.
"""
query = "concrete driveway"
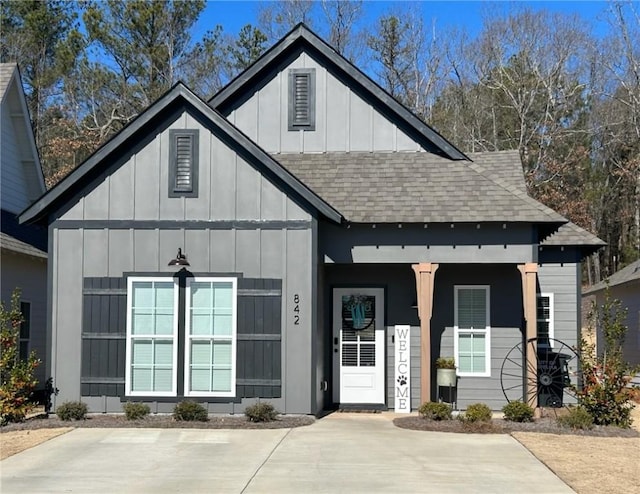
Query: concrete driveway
(348, 453)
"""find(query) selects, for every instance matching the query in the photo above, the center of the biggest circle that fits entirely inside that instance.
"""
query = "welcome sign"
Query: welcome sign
(402, 366)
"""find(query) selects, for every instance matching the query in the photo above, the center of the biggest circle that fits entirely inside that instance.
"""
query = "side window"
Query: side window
(25, 330)
(545, 318)
(472, 332)
(302, 99)
(183, 163)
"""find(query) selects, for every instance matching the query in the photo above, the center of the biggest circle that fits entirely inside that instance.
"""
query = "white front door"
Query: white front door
(358, 345)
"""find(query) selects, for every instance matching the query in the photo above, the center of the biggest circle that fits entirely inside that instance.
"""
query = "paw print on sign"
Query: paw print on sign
(402, 380)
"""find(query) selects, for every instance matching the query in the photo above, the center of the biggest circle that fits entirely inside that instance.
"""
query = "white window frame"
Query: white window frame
(551, 320)
(189, 337)
(174, 336)
(486, 331)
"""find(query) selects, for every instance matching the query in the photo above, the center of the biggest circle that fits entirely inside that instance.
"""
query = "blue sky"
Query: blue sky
(232, 15)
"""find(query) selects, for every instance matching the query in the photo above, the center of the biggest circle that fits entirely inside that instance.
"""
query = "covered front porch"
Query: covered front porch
(428, 298)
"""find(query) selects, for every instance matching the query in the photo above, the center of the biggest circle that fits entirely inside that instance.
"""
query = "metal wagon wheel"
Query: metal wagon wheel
(555, 375)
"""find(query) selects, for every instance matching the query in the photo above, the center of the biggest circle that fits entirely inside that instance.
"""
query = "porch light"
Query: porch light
(180, 259)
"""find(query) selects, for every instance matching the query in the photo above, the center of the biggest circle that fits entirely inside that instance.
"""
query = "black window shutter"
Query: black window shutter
(259, 333)
(104, 329)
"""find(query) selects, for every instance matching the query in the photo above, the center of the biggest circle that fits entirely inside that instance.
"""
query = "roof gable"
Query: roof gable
(21, 166)
(302, 39)
(178, 95)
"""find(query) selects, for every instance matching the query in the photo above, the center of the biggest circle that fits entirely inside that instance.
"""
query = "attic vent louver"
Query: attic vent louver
(184, 153)
(183, 176)
(302, 99)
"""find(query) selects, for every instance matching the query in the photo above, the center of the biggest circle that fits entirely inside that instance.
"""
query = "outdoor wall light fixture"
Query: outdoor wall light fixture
(180, 260)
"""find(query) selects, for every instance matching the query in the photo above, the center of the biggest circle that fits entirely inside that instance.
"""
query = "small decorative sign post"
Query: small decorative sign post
(402, 366)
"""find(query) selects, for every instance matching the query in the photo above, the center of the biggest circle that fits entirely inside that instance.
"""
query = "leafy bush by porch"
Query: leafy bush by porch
(17, 380)
(435, 411)
(577, 418)
(478, 412)
(604, 394)
(517, 411)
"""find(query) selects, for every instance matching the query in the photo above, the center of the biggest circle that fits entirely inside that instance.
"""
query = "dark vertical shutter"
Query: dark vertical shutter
(259, 345)
(184, 163)
(104, 329)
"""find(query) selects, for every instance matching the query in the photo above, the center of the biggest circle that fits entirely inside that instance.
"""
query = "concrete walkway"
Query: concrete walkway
(348, 453)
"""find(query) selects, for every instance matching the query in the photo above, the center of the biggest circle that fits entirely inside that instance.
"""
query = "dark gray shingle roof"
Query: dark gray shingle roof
(625, 275)
(416, 187)
(14, 245)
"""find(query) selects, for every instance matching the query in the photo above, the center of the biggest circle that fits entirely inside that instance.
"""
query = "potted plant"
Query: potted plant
(446, 371)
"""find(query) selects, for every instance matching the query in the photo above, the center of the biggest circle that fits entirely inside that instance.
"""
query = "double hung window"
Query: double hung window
(472, 332)
(158, 329)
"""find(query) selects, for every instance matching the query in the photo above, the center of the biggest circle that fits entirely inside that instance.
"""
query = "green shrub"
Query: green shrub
(72, 410)
(135, 411)
(190, 411)
(435, 411)
(261, 412)
(445, 363)
(17, 379)
(604, 393)
(518, 411)
(478, 412)
(577, 418)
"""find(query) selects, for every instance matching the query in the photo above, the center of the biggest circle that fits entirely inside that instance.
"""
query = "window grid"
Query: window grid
(144, 327)
(472, 344)
(220, 365)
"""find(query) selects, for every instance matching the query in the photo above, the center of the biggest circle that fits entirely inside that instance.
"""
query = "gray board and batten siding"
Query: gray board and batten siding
(344, 121)
(124, 222)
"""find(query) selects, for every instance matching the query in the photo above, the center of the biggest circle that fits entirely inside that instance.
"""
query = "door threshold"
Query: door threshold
(362, 407)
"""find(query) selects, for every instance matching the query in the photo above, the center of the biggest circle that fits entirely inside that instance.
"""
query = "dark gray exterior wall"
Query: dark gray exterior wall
(398, 281)
(440, 243)
(506, 321)
(128, 224)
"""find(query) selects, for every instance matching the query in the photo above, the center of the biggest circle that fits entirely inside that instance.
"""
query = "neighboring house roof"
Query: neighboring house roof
(170, 101)
(13, 101)
(301, 38)
(415, 187)
(24, 239)
(625, 275)
(14, 245)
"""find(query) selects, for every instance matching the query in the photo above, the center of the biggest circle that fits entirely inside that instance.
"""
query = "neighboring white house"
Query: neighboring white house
(624, 285)
(23, 248)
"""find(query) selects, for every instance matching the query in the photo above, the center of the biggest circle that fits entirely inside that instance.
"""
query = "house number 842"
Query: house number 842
(296, 309)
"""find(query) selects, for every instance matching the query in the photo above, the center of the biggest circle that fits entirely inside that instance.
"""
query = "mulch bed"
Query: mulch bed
(161, 422)
(500, 426)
